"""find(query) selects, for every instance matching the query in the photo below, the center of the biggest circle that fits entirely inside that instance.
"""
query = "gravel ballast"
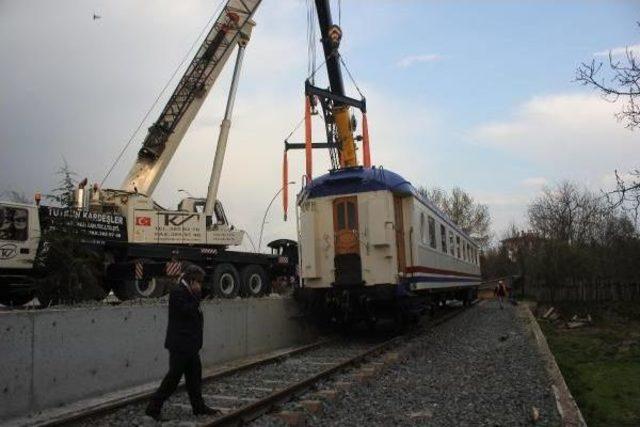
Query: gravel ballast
(480, 368)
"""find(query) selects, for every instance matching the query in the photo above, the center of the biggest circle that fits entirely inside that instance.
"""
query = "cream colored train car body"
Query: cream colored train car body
(367, 231)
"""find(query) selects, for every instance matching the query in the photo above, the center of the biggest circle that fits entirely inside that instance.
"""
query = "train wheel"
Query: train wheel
(254, 281)
(226, 281)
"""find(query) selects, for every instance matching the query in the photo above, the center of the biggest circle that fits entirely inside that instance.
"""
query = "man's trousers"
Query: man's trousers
(182, 364)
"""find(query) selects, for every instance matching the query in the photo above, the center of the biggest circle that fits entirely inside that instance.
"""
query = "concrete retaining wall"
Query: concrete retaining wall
(52, 357)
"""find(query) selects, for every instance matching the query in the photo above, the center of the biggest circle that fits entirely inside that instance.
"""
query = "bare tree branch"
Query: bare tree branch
(619, 81)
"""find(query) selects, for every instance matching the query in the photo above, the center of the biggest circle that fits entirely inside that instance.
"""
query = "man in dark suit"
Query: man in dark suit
(184, 341)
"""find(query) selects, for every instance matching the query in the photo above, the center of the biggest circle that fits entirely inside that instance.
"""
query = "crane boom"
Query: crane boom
(232, 27)
(338, 109)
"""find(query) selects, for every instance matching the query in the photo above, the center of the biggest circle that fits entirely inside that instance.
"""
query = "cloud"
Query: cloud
(537, 181)
(556, 137)
(410, 60)
(564, 136)
(619, 51)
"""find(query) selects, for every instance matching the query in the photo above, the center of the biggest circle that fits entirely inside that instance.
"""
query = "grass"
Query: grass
(601, 363)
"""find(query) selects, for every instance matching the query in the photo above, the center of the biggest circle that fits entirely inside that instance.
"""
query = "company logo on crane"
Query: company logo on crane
(8, 251)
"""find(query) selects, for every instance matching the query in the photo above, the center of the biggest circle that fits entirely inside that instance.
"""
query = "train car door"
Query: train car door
(399, 226)
(347, 262)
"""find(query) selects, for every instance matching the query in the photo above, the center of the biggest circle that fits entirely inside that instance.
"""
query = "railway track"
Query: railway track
(247, 392)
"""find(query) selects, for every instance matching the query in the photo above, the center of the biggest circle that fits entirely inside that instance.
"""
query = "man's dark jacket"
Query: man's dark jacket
(184, 331)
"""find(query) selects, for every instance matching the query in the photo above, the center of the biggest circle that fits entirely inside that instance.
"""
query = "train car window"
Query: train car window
(423, 237)
(351, 216)
(13, 223)
(451, 244)
(458, 246)
(443, 238)
(432, 232)
(340, 215)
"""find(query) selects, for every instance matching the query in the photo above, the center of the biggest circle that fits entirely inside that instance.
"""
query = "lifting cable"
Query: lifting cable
(155, 102)
(311, 39)
(350, 76)
(294, 129)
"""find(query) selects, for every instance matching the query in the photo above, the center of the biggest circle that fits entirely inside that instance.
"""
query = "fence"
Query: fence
(587, 291)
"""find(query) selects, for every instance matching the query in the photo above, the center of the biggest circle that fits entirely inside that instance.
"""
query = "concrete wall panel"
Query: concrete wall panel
(224, 331)
(54, 357)
(95, 349)
(16, 362)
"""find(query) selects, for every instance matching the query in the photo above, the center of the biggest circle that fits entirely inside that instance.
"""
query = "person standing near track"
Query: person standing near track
(184, 341)
(500, 291)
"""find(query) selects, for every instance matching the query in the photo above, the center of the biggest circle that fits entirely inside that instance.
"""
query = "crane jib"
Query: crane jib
(232, 26)
(193, 82)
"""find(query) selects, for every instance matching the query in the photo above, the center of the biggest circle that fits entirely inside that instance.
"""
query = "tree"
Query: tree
(568, 214)
(619, 81)
(627, 194)
(472, 217)
(15, 196)
(622, 82)
(63, 194)
(74, 270)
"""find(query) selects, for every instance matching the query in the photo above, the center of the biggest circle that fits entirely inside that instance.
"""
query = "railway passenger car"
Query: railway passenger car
(371, 246)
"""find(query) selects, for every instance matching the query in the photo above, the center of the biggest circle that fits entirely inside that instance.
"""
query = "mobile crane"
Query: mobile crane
(143, 244)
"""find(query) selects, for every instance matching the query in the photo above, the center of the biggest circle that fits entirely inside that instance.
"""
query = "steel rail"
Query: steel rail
(260, 407)
(138, 397)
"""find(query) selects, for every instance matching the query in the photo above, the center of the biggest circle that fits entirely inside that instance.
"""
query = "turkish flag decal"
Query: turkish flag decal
(143, 221)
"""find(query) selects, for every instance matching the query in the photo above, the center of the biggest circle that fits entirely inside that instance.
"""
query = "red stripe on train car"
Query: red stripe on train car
(421, 269)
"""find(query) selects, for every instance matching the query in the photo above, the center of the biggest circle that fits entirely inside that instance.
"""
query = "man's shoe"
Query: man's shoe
(153, 411)
(206, 410)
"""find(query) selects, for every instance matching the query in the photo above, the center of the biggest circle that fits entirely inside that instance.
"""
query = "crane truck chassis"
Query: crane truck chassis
(133, 270)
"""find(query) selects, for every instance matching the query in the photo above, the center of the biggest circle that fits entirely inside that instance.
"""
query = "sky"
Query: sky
(475, 94)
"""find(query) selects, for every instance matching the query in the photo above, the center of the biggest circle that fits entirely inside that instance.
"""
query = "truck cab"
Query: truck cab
(19, 238)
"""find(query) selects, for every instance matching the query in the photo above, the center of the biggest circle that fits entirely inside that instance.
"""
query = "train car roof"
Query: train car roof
(357, 180)
(362, 180)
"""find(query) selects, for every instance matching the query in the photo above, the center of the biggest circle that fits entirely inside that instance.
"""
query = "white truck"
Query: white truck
(143, 244)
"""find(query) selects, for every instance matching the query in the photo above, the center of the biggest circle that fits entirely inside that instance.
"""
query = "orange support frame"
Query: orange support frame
(366, 153)
(307, 138)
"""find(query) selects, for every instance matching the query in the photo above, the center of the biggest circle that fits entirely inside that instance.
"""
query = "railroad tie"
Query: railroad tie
(311, 406)
(343, 385)
(363, 375)
(226, 397)
(391, 358)
(273, 381)
(266, 389)
(327, 394)
(321, 363)
(291, 418)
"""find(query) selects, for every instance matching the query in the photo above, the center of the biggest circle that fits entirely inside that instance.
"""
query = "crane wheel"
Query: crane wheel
(132, 289)
(254, 281)
(225, 282)
(15, 299)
